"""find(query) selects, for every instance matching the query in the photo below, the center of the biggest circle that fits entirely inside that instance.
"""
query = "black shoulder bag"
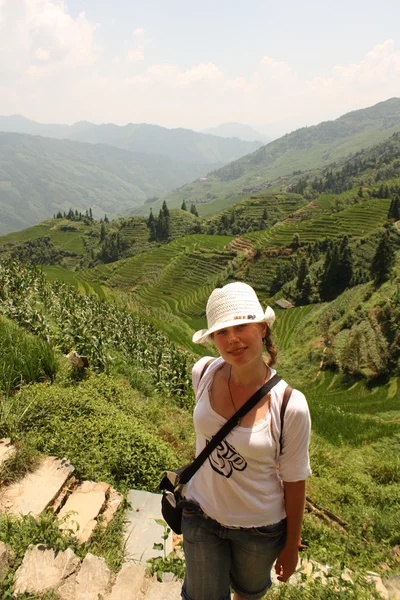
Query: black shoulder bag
(174, 481)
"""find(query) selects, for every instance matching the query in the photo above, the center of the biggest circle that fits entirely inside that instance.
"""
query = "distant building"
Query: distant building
(282, 303)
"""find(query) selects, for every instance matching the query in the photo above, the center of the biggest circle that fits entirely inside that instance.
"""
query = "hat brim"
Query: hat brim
(203, 335)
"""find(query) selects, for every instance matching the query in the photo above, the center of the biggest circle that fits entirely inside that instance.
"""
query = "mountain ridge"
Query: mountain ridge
(178, 143)
(303, 149)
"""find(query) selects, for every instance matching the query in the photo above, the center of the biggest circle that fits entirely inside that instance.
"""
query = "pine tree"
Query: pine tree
(303, 272)
(102, 232)
(265, 214)
(346, 264)
(383, 260)
(307, 289)
(183, 206)
(165, 210)
(394, 210)
(150, 220)
(193, 210)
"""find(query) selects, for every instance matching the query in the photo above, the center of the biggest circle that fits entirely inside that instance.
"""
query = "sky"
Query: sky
(196, 64)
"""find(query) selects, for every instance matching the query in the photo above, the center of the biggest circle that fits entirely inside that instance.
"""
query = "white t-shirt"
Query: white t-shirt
(238, 484)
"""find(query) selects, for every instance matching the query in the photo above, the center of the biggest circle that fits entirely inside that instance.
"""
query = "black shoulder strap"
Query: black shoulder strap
(226, 428)
(286, 397)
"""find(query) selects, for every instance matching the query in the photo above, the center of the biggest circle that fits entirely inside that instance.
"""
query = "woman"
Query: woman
(243, 509)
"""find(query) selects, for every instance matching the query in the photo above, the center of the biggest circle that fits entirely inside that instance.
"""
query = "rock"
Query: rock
(93, 580)
(5, 554)
(307, 567)
(113, 503)
(130, 583)
(77, 361)
(36, 491)
(68, 589)
(85, 503)
(141, 528)
(64, 493)
(6, 450)
(392, 584)
(396, 554)
(345, 576)
(164, 591)
(374, 579)
(43, 569)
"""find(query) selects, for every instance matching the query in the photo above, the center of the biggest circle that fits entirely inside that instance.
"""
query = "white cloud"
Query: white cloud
(138, 80)
(380, 66)
(276, 68)
(138, 31)
(204, 71)
(42, 54)
(162, 72)
(239, 83)
(43, 30)
(135, 55)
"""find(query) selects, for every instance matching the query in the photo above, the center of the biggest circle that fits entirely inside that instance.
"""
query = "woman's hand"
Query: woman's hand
(286, 563)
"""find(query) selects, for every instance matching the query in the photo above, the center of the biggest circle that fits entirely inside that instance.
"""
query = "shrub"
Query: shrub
(97, 426)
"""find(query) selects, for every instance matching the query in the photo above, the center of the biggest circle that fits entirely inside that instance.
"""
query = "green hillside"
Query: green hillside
(40, 176)
(304, 149)
(79, 241)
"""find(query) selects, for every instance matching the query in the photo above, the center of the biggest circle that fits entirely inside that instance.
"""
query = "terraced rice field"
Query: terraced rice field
(289, 322)
(357, 220)
(75, 278)
(177, 277)
(353, 413)
(135, 232)
(69, 239)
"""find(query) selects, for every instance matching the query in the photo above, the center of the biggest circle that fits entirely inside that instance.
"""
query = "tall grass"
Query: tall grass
(24, 358)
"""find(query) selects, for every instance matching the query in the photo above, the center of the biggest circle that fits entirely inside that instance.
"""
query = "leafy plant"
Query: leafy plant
(173, 562)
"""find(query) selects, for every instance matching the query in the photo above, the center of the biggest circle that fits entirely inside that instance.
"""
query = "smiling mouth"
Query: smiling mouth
(237, 351)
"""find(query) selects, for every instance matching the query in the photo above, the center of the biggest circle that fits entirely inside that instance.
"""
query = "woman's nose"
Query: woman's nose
(232, 336)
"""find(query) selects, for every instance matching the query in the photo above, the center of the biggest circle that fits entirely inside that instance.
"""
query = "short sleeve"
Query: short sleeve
(294, 462)
(197, 370)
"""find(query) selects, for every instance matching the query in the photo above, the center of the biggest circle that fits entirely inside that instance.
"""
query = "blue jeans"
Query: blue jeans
(219, 557)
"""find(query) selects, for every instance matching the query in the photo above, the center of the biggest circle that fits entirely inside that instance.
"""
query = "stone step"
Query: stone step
(43, 570)
(84, 504)
(141, 529)
(92, 582)
(164, 591)
(131, 583)
(37, 490)
(6, 450)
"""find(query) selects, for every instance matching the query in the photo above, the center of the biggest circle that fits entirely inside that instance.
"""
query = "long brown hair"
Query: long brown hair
(271, 348)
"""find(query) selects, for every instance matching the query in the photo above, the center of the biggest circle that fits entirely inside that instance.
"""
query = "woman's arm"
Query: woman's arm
(295, 494)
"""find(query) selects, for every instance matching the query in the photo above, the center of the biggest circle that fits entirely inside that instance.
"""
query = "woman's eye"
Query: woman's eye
(221, 332)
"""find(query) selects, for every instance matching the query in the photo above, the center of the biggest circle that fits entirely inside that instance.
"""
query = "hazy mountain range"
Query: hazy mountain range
(238, 130)
(178, 144)
(40, 175)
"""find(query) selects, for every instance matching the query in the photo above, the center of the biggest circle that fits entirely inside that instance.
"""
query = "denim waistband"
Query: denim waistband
(193, 506)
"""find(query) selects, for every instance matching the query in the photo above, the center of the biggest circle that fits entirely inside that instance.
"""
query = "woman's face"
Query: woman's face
(240, 344)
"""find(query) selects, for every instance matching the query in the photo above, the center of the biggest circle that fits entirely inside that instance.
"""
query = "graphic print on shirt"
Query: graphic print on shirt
(225, 459)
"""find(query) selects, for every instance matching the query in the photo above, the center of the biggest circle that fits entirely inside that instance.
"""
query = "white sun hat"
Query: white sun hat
(233, 304)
